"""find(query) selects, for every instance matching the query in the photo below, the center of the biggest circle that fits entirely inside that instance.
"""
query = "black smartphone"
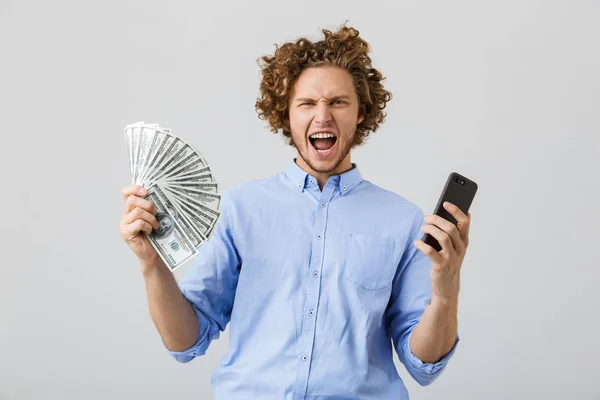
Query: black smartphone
(459, 191)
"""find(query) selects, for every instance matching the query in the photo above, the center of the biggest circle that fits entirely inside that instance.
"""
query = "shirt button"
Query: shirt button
(304, 357)
(315, 273)
(311, 312)
(323, 205)
(299, 186)
(343, 187)
(318, 236)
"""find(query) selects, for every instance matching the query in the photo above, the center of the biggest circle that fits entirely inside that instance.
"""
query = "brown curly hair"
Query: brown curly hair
(345, 49)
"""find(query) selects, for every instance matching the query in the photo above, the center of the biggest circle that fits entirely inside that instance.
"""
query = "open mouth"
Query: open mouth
(322, 142)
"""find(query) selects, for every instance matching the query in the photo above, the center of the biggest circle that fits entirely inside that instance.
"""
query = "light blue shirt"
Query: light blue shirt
(317, 286)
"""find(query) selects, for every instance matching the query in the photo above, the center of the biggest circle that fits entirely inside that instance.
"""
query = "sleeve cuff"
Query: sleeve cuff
(425, 373)
(198, 348)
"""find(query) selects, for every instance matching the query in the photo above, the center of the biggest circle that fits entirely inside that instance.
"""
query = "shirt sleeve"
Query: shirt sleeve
(411, 292)
(210, 283)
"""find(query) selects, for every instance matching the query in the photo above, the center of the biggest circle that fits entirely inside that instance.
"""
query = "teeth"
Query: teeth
(322, 135)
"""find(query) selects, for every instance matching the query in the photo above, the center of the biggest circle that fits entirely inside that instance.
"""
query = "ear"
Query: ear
(361, 115)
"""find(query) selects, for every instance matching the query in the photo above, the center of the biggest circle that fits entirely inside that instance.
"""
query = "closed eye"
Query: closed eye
(310, 103)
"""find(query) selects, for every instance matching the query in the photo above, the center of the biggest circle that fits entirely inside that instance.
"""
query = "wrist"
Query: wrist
(444, 301)
(152, 266)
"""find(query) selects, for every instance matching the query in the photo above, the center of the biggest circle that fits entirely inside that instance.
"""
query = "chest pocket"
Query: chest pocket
(370, 262)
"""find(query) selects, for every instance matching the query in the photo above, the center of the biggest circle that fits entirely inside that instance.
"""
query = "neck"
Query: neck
(322, 177)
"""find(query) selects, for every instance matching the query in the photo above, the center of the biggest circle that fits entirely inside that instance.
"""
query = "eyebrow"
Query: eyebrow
(339, 97)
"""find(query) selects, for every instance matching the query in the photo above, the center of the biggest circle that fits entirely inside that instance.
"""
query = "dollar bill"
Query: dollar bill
(169, 148)
(135, 133)
(170, 240)
(196, 237)
(210, 200)
(192, 224)
(156, 148)
(201, 208)
(181, 185)
(211, 187)
(129, 150)
(202, 174)
(203, 177)
(202, 222)
(192, 163)
(160, 156)
(147, 137)
(200, 212)
(131, 145)
(177, 154)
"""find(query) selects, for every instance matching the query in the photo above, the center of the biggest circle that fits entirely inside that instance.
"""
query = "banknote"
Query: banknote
(181, 185)
(212, 187)
(211, 200)
(170, 240)
(155, 151)
(203, 222)
(195, 236)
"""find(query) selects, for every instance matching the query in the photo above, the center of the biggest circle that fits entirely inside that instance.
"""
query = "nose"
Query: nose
(322, 113)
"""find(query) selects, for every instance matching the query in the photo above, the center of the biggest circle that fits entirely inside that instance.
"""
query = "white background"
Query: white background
(504, 92)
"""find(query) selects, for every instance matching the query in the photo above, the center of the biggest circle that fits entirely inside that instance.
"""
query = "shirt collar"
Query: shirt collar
(344, 182)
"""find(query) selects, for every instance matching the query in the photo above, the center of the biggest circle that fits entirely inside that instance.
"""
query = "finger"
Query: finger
(132, 230)
(463, 221)
(464, 230)
(136, 190)
(448, 227)
(442, 237)
(135, 201)
(147, 228)
(140, 213)
(428, 251)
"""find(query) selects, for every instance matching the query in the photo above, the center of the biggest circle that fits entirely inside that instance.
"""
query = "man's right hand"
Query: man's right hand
(172, 314)
(138, 218)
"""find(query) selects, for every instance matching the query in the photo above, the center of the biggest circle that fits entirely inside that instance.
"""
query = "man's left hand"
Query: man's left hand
(454, 240)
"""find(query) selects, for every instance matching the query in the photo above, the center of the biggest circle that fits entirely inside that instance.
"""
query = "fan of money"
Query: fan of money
(181, 186)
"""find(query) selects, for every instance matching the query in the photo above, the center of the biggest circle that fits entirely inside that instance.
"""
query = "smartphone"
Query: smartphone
(459, 191)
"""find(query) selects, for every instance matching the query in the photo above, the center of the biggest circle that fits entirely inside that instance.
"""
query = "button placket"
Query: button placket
(313, 289)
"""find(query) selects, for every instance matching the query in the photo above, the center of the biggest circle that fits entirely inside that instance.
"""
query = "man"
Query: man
(318, 270)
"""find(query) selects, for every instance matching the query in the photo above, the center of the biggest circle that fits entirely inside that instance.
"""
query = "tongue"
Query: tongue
(323, 144)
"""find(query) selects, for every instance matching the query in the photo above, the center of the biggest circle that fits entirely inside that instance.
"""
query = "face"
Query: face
(165, 222)
(323, 115)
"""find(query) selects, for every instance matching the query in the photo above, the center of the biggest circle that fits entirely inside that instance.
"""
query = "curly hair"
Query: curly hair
(345, 49)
